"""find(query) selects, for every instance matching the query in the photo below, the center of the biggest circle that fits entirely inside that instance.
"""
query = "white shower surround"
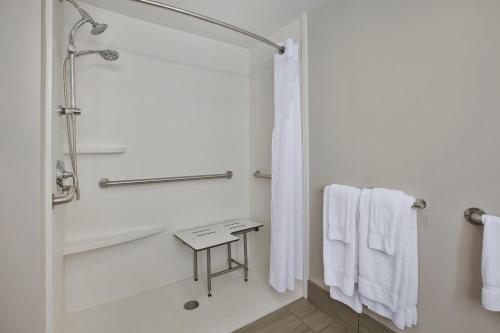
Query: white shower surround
(164, 74)
(179, 103)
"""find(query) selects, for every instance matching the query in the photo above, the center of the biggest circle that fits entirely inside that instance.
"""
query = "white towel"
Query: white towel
(388, 284)
(343, 201)
(385, 213)
(490, 264)
(340, 255)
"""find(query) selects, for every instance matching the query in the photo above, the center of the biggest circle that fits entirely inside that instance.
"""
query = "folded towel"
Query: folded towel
(386, 208)
(340, 256)
(490, 264)
(388, 280)
(343, 201)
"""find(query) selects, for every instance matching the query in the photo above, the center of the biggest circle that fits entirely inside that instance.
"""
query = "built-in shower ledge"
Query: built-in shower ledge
(102, 241)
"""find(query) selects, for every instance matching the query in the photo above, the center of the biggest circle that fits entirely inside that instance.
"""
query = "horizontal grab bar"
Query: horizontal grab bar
(105, 183)
(258, 174)
(474, 215)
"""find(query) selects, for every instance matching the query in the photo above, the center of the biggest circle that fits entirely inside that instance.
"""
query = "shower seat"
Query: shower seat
(213, 235)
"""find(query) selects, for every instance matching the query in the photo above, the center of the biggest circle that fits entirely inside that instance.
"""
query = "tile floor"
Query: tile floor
(300, 316)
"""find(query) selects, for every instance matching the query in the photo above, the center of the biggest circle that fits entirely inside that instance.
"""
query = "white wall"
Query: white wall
(21, 139)
(404, 94)
(179, 103)
(261, 127)
(55, 145)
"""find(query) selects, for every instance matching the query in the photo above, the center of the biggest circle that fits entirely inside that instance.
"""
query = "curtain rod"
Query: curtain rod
(281, 49)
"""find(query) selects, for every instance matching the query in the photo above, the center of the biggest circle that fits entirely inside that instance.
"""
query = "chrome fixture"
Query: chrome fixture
(474, 215)
(280, 48)
(107, 54)
(68, 192)
(70, 110)
(97, 28)
(258, 174)
(105, 183)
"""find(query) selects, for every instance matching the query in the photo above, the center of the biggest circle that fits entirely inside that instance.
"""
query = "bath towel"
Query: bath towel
(388, 283)
(490, 263)
(343, 201)
(340, 254)
(385, 212)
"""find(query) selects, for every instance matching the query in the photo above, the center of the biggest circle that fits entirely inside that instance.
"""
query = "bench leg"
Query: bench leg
(245, 252)
(209, 273)
(229, 262)
(195, 265)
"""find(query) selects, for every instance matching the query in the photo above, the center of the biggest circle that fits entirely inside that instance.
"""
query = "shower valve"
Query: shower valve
(62, 174)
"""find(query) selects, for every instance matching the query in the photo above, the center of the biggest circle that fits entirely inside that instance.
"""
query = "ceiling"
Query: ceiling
(262, 17)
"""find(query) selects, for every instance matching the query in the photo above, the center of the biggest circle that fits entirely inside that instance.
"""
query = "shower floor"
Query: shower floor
(233, 304)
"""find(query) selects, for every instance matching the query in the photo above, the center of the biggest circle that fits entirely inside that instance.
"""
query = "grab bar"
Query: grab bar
(258, 174)
(105, 182)
(474, 215)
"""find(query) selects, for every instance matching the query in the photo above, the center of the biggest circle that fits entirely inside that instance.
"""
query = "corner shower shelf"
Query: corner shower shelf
(102, 241)
(104, 149)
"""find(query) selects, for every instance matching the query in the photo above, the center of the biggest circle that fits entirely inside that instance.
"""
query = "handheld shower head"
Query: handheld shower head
(107, 54)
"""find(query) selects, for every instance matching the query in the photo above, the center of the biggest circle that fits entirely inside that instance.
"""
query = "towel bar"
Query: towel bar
(474, 215)
(419, 203)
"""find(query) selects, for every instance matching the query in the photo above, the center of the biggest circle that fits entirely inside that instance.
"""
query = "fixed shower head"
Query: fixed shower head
(98, 28)
(107, 54)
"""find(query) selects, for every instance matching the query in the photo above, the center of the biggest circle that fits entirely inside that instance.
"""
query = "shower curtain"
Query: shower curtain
(287, 211)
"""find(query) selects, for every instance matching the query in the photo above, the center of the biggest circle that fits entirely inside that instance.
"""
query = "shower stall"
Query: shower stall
(165, 136)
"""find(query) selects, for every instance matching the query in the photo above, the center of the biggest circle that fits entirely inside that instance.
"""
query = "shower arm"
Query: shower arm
(73, 31)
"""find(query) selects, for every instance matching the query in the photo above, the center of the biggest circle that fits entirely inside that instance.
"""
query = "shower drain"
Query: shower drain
(191, 305)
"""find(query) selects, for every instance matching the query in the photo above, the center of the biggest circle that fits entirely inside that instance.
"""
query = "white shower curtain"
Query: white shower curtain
(287, 211)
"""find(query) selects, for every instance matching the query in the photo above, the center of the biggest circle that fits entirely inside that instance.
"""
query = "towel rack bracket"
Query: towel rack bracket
(473, 215)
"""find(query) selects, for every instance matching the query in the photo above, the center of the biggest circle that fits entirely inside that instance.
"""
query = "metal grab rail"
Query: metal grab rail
(258, 174)
(105, 182)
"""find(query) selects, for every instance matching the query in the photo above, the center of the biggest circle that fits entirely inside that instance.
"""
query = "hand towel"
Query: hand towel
(343, 201)
(490, 263)
(388, 284)
(340, 257)
(385, 212)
